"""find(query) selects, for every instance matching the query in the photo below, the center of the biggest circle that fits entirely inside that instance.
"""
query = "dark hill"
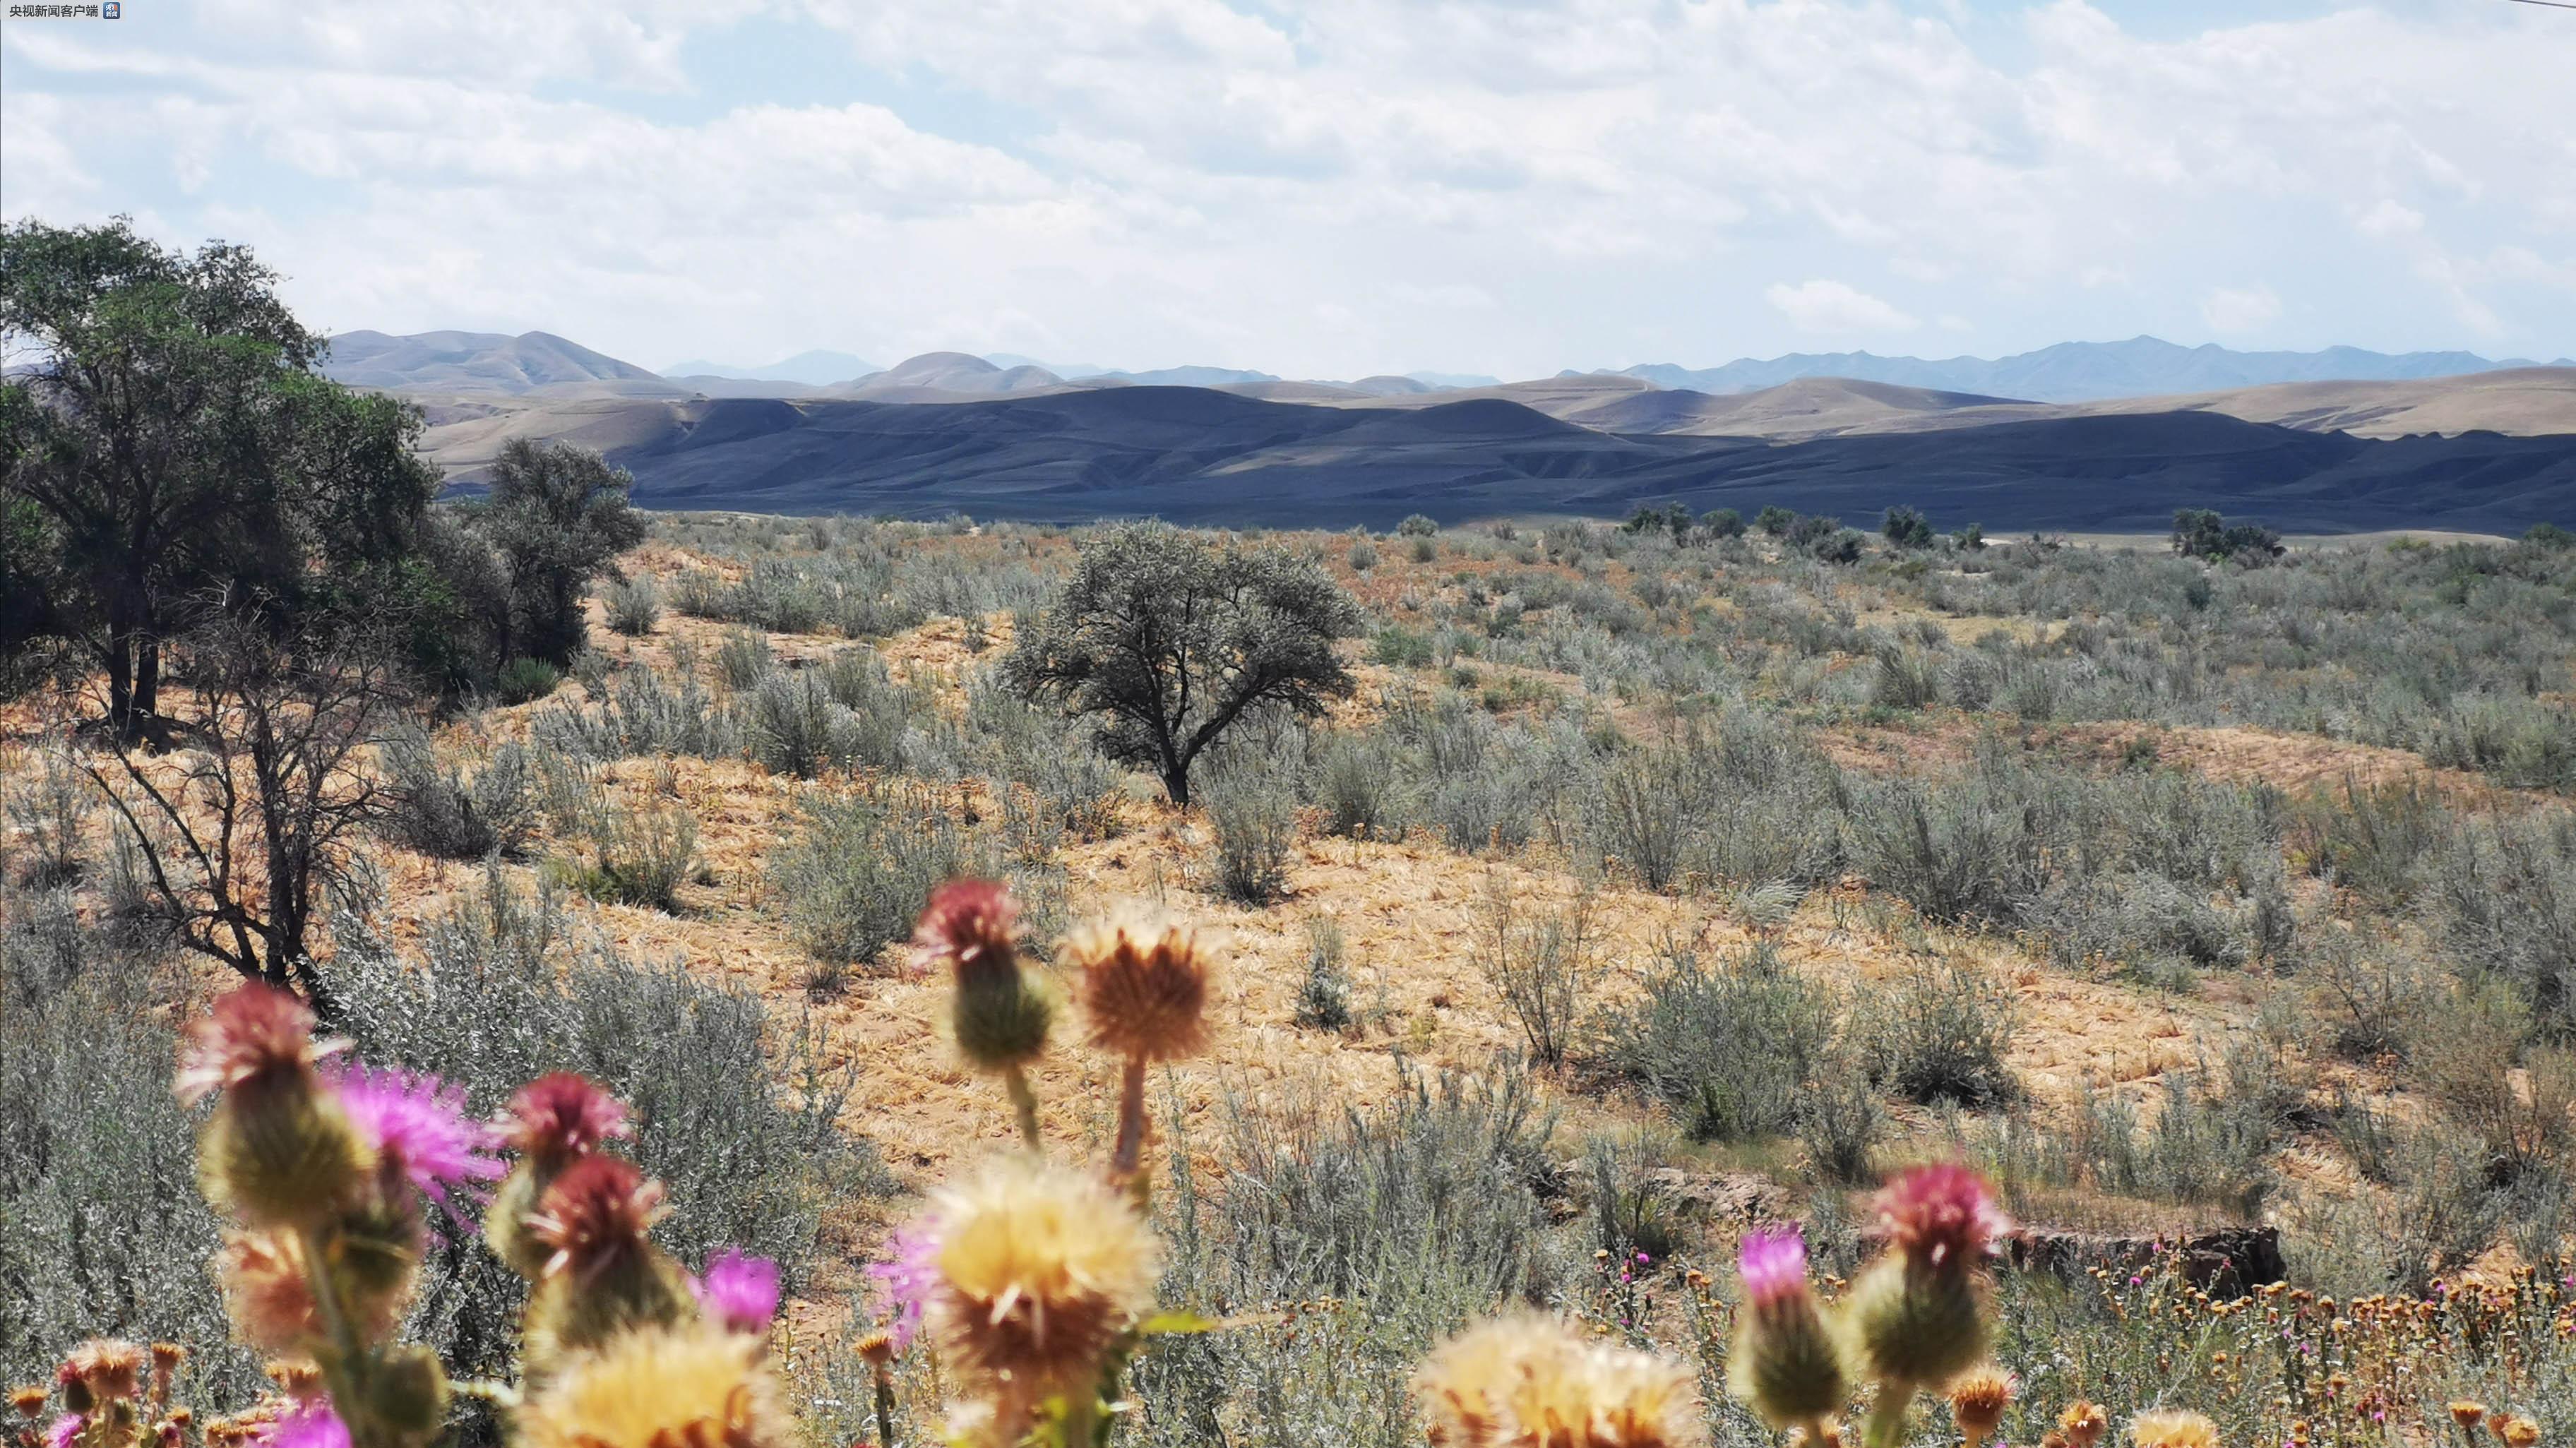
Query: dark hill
(1201, 455)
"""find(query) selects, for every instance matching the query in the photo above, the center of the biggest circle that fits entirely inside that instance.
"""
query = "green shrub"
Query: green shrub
(436, 807)
(1940, 1034)
(47, 810)
(1324, 1000)
(523, 679)
(859, 866)
(634, 606)
(744, 659)
(1732, 1047)
(1543, 963)
(1254, 819)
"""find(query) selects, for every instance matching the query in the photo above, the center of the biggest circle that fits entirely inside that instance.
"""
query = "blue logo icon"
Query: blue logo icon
(110, 10)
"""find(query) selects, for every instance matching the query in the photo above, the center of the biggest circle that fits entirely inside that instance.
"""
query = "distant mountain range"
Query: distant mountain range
(2481, 446)
(2081, 371)
(812, 369)
(470, 362)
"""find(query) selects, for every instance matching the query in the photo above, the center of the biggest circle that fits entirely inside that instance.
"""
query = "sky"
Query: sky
(1330, 188)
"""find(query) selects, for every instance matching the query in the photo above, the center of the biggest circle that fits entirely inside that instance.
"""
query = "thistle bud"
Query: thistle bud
(551, 1122)
(410, 1391)
(602, 1274)
(1918, 1314)
(999, 1012)
(278, 1151)
(1786, 1364)
(2084, 1423)
(1144, 987)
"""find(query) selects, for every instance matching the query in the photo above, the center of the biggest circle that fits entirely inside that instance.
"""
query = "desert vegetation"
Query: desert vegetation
(1428, 981)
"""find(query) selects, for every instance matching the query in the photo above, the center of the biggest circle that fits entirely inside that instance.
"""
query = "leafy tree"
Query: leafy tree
(1775, 520)
(1971, 537)
(1416, 525)
(1169, 640)
(2202, 533)
(1647, 519)
(559, 516)
(1722, 523)
(1906, 528)
(166, 450)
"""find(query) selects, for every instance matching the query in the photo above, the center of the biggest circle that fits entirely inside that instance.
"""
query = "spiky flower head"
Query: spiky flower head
(1940, 1216)
(2084, 1423)
(690, 1386)
(418, 1128)
(2515, 1430)
(2466, 1413)
(251, 1033)
(105, 1368)
(968, 925)
(738, 1293)
(2173, 1428)
(309, 1424)
(278, 1149)
(1039, 1268)
(1773, 1263)
(30, 1400)
(1144, 986)
(1528, 1381)
(1786, 1364)
(908, 1276)
(600, 1209)
(1978, 1398)
(561, 1116)
(66, 1431)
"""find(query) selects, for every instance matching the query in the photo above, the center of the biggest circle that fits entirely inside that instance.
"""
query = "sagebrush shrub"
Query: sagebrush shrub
(1254, 819)
(859, 865)
(1939, 1034)
(435, 806)
(1731, 1047)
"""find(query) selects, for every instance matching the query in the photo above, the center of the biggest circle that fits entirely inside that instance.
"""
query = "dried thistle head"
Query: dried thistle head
(1528, 1381)
(2466, 1413)
(661, 1387)
(30, 1400)
(106, 1368)
(1144, 986)
(2084, 1423)
(2173, 1428)
(600, 1209)
(2515, 1430)
(1039, 1268)
(1978, 1398)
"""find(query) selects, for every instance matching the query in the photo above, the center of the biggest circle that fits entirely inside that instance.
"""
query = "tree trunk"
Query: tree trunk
(1176, 783)
(120, 686)
(147, 677)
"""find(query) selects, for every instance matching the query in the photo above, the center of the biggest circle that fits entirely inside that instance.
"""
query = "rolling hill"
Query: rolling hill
(460, 362)
(1201, 455)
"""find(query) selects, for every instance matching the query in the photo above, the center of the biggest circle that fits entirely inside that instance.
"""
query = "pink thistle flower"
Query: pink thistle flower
(908, 1276)
(66, 1431)
(968, 924)
(418, 1126)
(252, 1031)
(598, 1211)
(1774, 1265)
(555, 1118)
(307, 1425)
(1940, 1216)
(739, 1293)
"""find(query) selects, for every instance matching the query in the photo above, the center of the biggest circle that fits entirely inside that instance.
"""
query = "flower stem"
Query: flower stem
(1026, 1102)
(1887, 1415)
(885, 1409)
(1130, 1156)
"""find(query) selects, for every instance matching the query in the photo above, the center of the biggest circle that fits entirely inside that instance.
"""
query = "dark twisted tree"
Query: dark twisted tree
(1168, 640)
(558, 516)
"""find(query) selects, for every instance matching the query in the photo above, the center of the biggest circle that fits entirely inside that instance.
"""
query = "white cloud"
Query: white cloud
(1831, 306)
(1144, 182)
(2233, 310)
